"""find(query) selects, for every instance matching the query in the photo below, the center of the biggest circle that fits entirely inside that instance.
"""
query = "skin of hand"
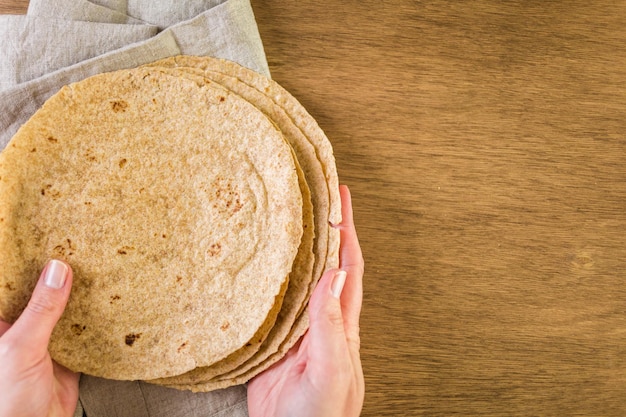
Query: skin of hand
(31, 383)
(322, 375)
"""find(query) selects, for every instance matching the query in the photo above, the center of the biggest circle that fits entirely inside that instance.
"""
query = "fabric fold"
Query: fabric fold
(24, 57)
(80, 10)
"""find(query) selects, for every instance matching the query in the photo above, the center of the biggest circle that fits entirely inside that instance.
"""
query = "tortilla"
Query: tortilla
(299, 281)
(176, 203)
(284, 335)
(186, 121)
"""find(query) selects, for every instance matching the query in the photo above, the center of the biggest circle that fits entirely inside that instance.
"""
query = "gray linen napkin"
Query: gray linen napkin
(62, 41)
(24, 57)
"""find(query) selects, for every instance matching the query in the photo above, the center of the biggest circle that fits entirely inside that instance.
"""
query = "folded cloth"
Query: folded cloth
(101, 397)
(24, 57)
(62, 41)
(81, 10)
(160, 13)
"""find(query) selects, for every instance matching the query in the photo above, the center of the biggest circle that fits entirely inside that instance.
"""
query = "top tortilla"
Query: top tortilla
(205, 192)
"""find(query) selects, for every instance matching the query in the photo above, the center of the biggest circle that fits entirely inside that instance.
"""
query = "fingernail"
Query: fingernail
(338, 281)
(55, 274)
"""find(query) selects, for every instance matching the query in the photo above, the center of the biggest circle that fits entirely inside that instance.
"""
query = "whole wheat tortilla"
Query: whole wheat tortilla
(315, 175)
(283, 336)
(300, 278)
(205, 192)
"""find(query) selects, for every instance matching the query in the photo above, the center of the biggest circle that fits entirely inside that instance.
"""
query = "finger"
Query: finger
(34, 326)
(351, 261)
(328, 350)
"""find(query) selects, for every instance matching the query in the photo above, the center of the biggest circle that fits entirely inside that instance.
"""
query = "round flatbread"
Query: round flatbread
(176, 203)
(300, 278)
(293, 121)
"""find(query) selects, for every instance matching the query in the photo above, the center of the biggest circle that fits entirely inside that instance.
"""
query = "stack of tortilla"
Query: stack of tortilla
(194, 200)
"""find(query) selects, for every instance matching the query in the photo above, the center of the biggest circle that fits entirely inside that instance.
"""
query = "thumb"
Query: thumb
(34, 326)
(328, 346)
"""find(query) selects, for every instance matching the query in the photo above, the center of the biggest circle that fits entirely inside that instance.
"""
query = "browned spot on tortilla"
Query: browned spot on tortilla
(227, 198)
(131, 338)
(77, 329)
(119, 106)
(215, 249)
(125, 249)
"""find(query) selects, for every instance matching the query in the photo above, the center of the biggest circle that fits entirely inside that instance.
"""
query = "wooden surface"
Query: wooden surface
(484, 143)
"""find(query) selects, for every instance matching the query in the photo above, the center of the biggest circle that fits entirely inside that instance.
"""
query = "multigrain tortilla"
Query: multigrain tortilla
(322, 178)
(176, 203)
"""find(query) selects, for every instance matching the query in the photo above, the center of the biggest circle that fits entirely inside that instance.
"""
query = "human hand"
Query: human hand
(30, 382)
(322, 375)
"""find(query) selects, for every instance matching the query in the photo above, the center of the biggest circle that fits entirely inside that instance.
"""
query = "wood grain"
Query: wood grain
(13, 6)
(485, 146)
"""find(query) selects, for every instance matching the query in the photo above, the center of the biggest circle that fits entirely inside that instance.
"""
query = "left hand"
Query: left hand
(30, 382)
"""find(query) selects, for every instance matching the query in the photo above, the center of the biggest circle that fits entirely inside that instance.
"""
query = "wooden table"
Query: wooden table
(485, 145)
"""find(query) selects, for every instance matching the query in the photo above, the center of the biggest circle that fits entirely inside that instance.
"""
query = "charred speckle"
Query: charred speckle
(52, 139)
(130, 338)
(77, 329)
(125, 249)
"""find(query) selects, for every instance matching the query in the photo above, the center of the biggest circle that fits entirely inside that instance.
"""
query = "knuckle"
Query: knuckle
(42, 305)
(357, 267)
(361, 266)
(354, 339)
(335, 319)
